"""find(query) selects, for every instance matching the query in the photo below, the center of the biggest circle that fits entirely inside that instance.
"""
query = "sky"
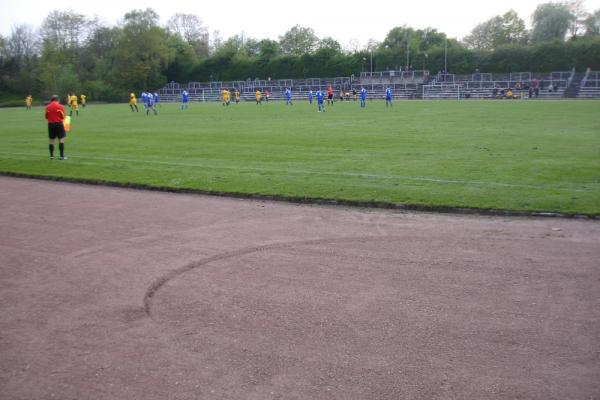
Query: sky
(350, 22)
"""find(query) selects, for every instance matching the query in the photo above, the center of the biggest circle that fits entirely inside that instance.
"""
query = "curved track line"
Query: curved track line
(158, 283)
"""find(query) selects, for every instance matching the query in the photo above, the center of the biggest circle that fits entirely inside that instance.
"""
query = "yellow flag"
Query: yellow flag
(67, 123)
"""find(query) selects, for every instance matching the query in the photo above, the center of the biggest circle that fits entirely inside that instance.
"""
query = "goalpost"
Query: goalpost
(442, 91)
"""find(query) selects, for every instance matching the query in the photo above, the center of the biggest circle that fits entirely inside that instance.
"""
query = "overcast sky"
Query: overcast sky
(346, 21)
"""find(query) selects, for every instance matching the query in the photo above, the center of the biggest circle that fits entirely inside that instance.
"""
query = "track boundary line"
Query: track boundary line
(310, 200)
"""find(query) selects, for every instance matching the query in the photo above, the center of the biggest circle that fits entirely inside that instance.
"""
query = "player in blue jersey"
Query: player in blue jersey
(288, 97)
(310, 97)
(150, 104)
(145, 100)
(363, 97)
(157, 99)
(185, 99)
(388, 97)
(320, 98)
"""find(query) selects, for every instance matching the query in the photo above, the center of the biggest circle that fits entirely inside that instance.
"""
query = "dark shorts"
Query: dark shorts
(56, 130)
(330, 96)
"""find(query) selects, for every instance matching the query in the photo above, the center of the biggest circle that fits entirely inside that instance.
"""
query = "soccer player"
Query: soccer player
(157, 100)
(258, 96)
(55, 114)
(330, 95)
(28, 101)
(237, 96)
(288, 97)
(145, 100)
(320, 97)
(133, 102)
(267, 95)
(73, 105)
(310, 96)
(388, 97)
(185, 100)
(363, 97)
(225, 94)
(82, 99)
(150, 104)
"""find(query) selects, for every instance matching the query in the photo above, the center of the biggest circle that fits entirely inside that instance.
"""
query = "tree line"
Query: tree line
(71, 52)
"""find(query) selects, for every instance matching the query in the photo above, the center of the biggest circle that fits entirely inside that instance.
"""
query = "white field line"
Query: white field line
(307, 172)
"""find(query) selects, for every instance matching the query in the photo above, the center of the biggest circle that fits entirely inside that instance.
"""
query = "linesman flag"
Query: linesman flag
(67, 123)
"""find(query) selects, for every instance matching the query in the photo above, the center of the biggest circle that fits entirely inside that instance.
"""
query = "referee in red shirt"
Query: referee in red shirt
(55, 114)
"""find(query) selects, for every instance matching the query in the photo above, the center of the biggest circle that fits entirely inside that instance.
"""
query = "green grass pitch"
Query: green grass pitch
(539, 156)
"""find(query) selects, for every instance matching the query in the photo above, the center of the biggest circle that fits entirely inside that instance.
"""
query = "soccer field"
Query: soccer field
(536, 156)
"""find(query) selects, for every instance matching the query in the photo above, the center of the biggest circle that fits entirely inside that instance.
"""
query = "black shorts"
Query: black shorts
(56, 130)
(330, 96)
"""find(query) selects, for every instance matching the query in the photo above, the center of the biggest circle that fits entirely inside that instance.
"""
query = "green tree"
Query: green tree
(592, 24)
(268, 49)
(21, 52)
(65, 32)
(142, 53)
(429, 38)
(500, 30)
(330, 44)
(184, 57)
(298, 40)
(191, 29)
(551, 21)
(22, 43)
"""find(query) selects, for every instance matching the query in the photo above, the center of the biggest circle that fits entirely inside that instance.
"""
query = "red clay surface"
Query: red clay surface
(109, 293)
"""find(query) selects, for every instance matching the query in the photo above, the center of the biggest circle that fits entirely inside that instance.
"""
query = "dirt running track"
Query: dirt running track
(109, 293)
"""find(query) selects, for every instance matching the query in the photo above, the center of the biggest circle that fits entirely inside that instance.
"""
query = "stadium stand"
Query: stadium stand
(406, 85)
(490, 86)
(590, 86)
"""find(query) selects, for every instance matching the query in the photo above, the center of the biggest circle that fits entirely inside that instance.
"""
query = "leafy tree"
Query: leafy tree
(217, 42)
(592, 24)
(142, 53)
(22, 43)
(252, 47)
(190, 28)
(513, 29)
(65, 31)
(298, 41)
(183, 60)
(580, 14)
(330, 44)
(268, 49)
(398, 37)
(551, 21)
(3, 49)
(429, 38)
(232, 47)
(498, 31)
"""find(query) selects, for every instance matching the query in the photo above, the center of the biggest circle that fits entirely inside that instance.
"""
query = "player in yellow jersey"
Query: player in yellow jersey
(28, 101)
(258, 96)
(82, 99)
(237, 96)
(73, 105)
(226, 97)
(133, 102)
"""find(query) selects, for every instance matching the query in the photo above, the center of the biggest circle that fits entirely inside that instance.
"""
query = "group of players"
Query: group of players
(152, 100)
(71, 100)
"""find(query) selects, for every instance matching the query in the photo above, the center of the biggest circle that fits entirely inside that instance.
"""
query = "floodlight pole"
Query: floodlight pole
(445, 57)
(371, 62)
